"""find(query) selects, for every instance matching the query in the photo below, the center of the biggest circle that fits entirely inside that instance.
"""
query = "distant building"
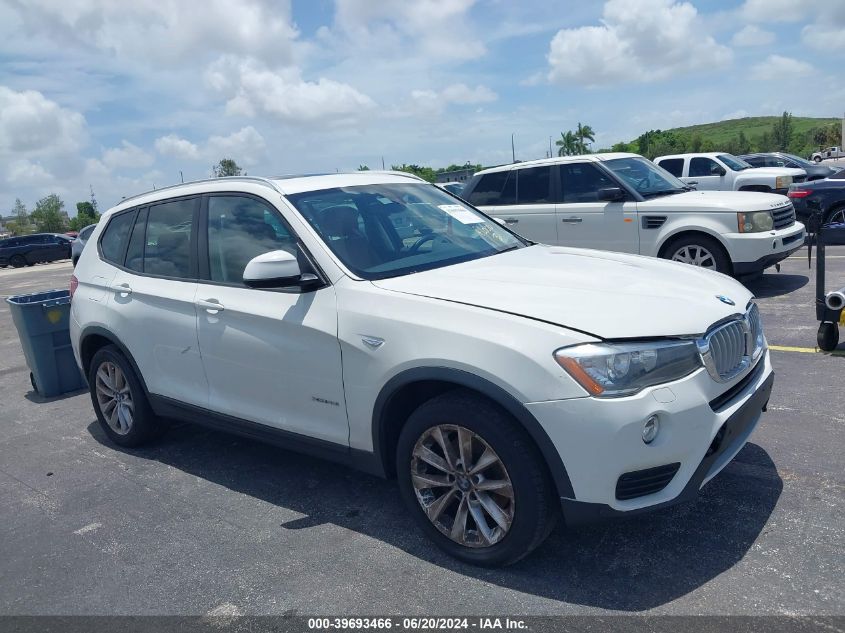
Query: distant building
(458, 175)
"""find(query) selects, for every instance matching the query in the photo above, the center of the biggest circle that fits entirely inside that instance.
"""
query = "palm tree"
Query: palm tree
(584, 132)
(567, 144)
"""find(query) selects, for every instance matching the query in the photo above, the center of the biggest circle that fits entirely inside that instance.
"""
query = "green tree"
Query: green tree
(567, 144)
(584, 133)
(426, 173)
(782, 132)
(226, 167)
(695, 143)
(48, 216)
(363, 168)
(85, 214)
(20, 224)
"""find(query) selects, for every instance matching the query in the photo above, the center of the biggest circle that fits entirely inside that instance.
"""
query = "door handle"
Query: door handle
(572, 220)
(212, 306)
(122, 289)
(511, 221)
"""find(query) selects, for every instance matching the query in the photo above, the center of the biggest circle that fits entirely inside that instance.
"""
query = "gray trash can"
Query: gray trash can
(42, 321)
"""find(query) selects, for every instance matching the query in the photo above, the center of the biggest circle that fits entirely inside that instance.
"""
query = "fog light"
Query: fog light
(650, 429)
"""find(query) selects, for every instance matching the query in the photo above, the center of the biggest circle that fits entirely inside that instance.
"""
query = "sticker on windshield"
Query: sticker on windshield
(462, 215)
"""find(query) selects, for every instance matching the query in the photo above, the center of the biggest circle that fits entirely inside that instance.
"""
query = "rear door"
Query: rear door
(152, 296)
(532, 216)
(585, 221)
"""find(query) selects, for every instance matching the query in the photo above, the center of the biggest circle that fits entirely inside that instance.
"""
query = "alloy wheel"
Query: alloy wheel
(114, 397)
(695, 255)
(462, 486)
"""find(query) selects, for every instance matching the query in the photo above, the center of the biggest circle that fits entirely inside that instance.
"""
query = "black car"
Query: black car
(27, 250)
(781, 159)
(826, 197)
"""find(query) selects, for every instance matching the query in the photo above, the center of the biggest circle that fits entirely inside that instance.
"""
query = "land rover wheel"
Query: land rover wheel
(699, 250)
(474, 481)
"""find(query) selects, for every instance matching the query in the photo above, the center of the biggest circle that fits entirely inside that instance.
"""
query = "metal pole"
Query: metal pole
(181, 177)
(513, 151)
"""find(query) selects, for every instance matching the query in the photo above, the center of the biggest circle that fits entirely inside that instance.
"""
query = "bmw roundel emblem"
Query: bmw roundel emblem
(725, 299)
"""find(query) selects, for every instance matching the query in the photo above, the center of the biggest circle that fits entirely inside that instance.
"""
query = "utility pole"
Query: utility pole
(513, 150)
(550, 147)
(382, 163)
(181, 177)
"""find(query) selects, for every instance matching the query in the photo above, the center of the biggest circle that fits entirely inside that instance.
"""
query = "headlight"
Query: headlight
(612, 370)
(755, 222)
(782, 182)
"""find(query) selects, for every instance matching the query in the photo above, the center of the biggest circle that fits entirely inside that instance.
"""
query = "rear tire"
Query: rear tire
(122, 408)
(512, 494)
(698, 250)
(17, 261)
(828, 336)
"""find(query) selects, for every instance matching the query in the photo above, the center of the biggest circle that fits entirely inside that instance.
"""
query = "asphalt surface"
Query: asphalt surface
(206, 522)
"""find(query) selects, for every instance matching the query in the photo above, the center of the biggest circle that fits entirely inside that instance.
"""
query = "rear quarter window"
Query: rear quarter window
(674, 166)
(115, 237)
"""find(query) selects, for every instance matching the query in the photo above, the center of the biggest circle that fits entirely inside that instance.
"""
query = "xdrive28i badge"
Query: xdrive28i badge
(725, 299)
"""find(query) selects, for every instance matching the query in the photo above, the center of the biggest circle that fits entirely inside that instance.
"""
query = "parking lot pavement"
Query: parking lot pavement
(205, 521)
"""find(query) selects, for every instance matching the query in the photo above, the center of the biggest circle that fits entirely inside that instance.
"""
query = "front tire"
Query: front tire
(122, 408)
(473, 480)
(699, 250)
(17, 261)
(828, 336)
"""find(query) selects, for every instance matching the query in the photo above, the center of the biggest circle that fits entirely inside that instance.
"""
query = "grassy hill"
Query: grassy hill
(755, 126)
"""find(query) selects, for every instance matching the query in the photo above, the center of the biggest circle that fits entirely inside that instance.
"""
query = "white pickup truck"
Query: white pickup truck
(830, 152)
(623, 202)
(716, 171)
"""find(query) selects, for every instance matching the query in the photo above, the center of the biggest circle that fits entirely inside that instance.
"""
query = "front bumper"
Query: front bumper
(754, 252)
(600, 440)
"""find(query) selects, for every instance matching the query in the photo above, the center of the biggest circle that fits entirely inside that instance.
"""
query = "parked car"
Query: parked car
(826, 197)
(724, 172)
(623, 202)
(28, 250)
(486, 373)
(781, 159)
(79, 243)
(830, 152)
(452, 187)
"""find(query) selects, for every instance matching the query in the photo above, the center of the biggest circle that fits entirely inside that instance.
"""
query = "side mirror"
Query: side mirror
(720, 171)
(276, 269)
(611, 194)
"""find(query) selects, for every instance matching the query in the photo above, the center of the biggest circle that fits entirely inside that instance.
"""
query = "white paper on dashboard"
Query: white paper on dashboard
(462, 215)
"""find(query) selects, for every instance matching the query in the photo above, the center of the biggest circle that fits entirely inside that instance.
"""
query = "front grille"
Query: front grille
(640, 483)
(784, 217)
(731, 348)
(793, 238)
(653, 221)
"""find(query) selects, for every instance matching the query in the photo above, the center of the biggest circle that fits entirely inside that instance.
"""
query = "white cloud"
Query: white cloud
(32, 125)
(773, 11)
(252, 89)
(26, 173)
(246, 146)
(826, 34)
(172, 145)
(639, 40)
(434, 102)
(149, 32)
(779, 68)
(752, 35)
(437, 29)
(127, 156)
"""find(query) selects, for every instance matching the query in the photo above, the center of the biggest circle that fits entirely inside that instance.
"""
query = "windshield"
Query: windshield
(801, 161)
(734, 163)
(645, 177)
(388, 230)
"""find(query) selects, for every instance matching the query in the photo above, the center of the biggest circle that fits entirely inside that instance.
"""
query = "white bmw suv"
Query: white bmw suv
(377, 320)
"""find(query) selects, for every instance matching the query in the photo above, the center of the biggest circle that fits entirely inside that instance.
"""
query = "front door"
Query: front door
(270, 356)
(585, 221)
(706, 173)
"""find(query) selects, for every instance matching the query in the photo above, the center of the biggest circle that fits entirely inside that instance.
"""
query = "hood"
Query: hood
(728, 201)
(773, 172)
(607, 295)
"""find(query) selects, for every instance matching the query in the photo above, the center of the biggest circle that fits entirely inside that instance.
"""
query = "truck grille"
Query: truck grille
(640, 483)
(731, 348)
(784, 217)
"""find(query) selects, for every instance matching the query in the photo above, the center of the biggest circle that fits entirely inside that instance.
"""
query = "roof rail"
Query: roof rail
(259, 179)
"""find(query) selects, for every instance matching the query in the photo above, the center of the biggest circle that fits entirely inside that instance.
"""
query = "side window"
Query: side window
(240, 229)
(113, 242)
(582, 181)
(533, 185)
(167, 247)
(674, 166)
(703, 166)
(497, 188)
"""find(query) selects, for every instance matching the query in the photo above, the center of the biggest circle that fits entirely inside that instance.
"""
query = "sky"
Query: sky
(122, 96)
